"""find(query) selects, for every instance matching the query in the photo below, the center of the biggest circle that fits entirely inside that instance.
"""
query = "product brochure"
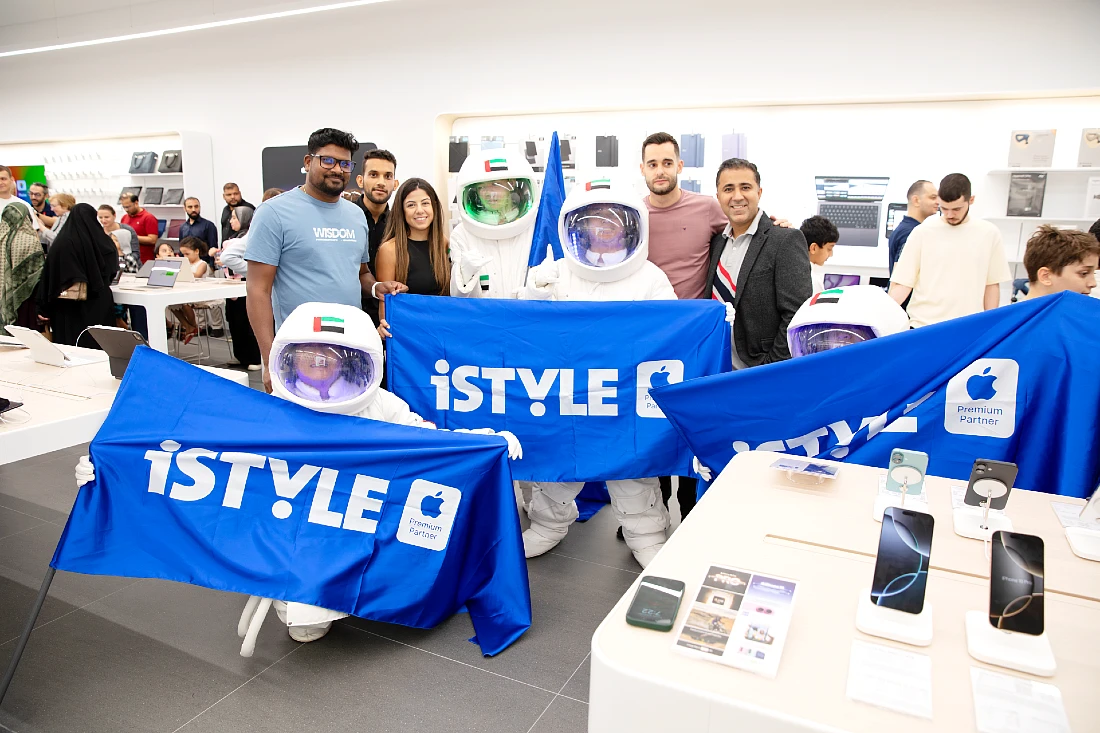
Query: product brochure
(1070, 516)
(806, 468)
(1089, 154)
(1092, 198)
(1025, 194)
(1031, 148)
(739, 618)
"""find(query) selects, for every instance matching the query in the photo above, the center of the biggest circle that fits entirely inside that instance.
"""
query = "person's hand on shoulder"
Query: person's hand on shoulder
(388, 287)
(780, 222)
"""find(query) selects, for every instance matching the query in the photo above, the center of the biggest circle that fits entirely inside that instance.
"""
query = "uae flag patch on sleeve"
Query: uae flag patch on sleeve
(328, 323)
(496, 164)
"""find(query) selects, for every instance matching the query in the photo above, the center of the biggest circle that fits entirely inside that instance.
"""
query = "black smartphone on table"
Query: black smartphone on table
(656, 603)
(904, 554)
(1016, 583)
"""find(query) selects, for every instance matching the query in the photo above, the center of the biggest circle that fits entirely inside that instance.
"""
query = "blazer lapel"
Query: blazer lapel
(752, 253)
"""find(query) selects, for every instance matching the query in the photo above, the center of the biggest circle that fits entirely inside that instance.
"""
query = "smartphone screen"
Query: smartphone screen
(1016, 583)
(901, 568)
(656, 603)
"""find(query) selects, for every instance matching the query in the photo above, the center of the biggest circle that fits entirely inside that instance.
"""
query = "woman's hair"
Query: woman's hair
(65, 199)
(271, 193)
(195, 244)
(397, 229)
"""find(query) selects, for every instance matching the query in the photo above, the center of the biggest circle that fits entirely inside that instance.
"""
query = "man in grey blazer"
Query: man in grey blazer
(762, 269)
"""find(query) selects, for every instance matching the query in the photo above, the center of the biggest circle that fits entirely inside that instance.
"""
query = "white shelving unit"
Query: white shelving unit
(1063, 204)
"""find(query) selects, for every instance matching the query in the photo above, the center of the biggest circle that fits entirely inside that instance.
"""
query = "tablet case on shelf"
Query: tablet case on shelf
(172, 162)
(143, 162)
(173, 196)
(173, 231)
(152, 195)
(134, 190)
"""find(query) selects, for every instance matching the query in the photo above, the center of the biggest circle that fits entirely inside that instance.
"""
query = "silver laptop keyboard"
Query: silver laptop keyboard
(846, 216)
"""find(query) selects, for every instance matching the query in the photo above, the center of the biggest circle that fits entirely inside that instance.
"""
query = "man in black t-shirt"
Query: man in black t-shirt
(378, 181)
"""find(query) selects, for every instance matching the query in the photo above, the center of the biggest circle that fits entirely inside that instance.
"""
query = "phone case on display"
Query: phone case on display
(143, 162)
(173, 196)
(153, 195)
(172, 162)
(906, 471)
(607, 151)
(990, 479)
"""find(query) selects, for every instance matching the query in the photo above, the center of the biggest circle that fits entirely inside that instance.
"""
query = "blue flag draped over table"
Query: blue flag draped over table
(1019, 383)
(570, 379)
(550, 203)
(225, 487)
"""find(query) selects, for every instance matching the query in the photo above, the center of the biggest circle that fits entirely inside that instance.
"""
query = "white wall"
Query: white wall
(386, 71)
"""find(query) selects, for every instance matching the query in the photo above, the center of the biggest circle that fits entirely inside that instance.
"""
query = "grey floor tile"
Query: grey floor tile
(31, 509)
(352, 681)
(595, 541)
(46, 481)
(563, 716)
(13, 522)
(577, 687)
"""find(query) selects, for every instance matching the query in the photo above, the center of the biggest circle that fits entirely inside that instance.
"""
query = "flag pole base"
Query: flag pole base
(26, 635)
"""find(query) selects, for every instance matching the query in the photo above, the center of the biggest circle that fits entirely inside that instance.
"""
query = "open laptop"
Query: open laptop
(164, 274)
(854, 205)
(45, 352)
(119, 343)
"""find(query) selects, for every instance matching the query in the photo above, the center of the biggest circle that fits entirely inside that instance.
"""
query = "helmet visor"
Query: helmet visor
(602, 235)
(324, 373)
(818, 337)
(499, 202)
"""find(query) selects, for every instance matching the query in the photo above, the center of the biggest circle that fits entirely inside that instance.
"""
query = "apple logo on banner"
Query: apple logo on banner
(656, 374)
(429, 515)
(981, 399)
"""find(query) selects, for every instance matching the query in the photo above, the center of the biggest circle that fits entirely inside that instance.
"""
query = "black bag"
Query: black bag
(172, 162)
(143, 162)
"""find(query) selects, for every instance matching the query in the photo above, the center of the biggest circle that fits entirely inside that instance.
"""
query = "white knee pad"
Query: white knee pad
(638, 508)
(552, 510)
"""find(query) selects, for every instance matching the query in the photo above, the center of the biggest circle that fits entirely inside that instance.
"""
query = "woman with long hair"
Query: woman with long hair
(414, 250)
(21, 262)
(75, 291)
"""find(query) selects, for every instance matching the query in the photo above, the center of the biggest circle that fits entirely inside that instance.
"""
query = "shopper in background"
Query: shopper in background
(952, 264)
(39, 194)
(821, 235)
(21, 263)
(923, 201)
(75, 291)
(7, 195)
(415, 250)
(1061, 259)
(196, 226)
(1094, 230)
(144, 223)
(62, 205)
(232, 195)
(762, 269)
(124, 233)
(378, 181)
(306, 244)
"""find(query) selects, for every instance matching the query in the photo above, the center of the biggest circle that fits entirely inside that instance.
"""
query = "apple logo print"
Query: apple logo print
(430, 505)
(980, 386)
(659, 378)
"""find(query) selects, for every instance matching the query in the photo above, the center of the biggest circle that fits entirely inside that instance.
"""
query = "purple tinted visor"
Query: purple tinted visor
(818, 337)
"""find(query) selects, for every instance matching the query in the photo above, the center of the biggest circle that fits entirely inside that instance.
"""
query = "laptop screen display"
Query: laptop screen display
(845, 188)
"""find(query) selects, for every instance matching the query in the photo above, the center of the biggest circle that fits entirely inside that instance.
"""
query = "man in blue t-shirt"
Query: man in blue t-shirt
(309, 244)
(923, 202)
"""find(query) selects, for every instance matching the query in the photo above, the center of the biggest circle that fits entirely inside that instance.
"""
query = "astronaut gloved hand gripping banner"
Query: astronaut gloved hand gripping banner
(570, 379)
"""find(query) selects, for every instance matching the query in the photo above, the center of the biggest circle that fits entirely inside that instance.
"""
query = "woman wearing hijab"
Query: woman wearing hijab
(76, 283)
(21, 264)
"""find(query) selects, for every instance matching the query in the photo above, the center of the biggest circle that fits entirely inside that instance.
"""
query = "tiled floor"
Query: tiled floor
(116, 654)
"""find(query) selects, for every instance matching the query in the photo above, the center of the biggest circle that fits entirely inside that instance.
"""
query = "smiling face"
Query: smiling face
(6, 184)
(418, 212)
(318, 364)
(739, 196)
(330, 181)
(496, 195)
(378, 180)
(106, 219)
(38, 195)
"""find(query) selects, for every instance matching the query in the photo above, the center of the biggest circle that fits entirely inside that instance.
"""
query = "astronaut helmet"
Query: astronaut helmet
(604, 230)
(496, 193)
(327, 357)
(844, 316)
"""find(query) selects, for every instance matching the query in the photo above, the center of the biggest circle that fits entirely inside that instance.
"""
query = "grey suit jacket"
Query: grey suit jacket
(774, 281)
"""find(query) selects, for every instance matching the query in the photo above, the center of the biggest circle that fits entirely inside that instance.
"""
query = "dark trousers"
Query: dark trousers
(245, 348)
(685, 493)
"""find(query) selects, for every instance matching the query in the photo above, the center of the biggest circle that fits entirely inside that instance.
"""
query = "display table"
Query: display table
(825, 538)
(155, 300)
(62, 407)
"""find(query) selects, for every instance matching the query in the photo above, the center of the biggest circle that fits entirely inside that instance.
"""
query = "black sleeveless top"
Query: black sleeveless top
(421, 278)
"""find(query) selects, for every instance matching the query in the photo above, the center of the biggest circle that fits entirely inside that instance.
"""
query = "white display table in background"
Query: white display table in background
(155, 300)
(62, 407)
(824, 537)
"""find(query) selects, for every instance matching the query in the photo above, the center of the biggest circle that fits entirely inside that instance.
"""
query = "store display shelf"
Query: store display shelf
(1039, 219)
(1002, 171)
(163, 206)
(144, 175)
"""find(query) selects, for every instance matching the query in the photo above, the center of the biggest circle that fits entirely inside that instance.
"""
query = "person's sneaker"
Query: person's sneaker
(619, 534)
(645, 555)
(216, 332)
(233, 363)
(254, 367)
(534, 544)
(309, 633)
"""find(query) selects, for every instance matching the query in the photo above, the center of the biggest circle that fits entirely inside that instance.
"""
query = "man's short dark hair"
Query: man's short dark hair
(916, 189)
(230, 186)
(380, 154)
(954, 186)
(5, 169)
(132, 198)
(1056, 248)
(660, 138)
(331, 136)
(819, 230)
(1094, 230)
(191, 198)
(107, 207)
(43, 186)
(737, 164)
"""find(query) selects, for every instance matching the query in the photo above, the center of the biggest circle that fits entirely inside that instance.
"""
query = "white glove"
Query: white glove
(515, 450)
(85, 471)
(730, 314)
(470, 264)
(705, 473)
(543, 276)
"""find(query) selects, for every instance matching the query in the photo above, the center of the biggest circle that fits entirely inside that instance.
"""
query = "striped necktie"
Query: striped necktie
(725, 289)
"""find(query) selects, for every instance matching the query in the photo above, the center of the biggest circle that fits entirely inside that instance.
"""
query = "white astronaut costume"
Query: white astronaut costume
(835, 318)
(491, 245)
(327, 357)
(604, 231)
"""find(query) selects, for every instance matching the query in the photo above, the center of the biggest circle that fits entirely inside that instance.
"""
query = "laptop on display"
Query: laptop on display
(854, 205)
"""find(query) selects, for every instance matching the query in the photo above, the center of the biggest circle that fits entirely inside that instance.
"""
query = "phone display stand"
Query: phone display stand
(977, 522)
(889, 623)
(802, 479)
(1008, 649)
(1085, 543)
(884, 501)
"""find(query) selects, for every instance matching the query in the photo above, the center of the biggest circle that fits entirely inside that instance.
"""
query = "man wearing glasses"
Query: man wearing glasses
(308, 244)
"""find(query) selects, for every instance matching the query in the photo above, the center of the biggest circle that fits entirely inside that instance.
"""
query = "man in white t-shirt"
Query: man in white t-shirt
(7, 194)
(952, 264)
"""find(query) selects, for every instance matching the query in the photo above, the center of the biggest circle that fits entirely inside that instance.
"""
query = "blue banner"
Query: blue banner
(1017, 383)
(570, 379)
(550, 203)
(228, 488)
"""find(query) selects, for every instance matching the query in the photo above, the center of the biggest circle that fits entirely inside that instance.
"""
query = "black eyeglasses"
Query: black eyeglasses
(328, 162)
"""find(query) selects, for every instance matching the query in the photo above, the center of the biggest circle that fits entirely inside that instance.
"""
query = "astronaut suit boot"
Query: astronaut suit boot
(491, 245)
(604, 230)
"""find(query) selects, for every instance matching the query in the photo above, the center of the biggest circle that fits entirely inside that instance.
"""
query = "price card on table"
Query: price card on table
(891, 678)
(1006, 704)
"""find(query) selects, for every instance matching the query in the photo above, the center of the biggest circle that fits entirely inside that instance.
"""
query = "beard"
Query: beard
(330, 186)
(662, 188)
(378, 197)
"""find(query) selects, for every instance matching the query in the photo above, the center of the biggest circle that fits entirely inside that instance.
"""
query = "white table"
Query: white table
(825, 538)
(133, 291)
(62, 407)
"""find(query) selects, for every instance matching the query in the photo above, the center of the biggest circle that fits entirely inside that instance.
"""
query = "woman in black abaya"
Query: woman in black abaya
(82, 253)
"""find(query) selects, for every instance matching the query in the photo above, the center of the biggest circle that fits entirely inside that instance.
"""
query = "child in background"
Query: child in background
(1061, 259)
(821, 235)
